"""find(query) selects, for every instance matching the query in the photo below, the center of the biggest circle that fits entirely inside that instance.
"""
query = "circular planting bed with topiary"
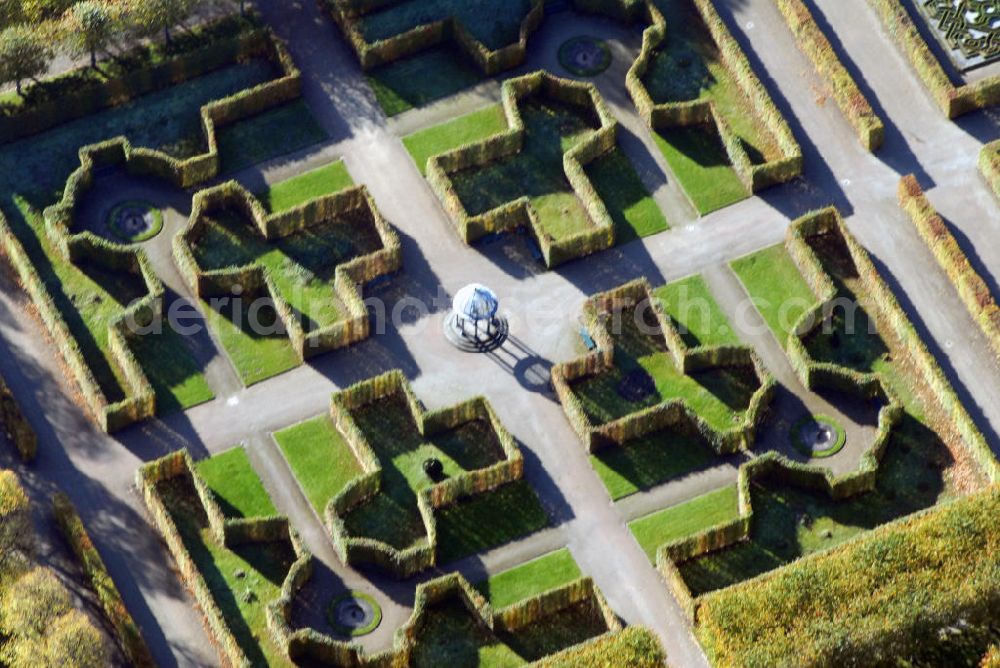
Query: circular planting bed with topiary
(585, 56)
(355, 614)
(818, 436)
(135, 221)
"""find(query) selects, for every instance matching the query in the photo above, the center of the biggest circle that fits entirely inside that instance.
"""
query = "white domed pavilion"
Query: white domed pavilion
(473, 323)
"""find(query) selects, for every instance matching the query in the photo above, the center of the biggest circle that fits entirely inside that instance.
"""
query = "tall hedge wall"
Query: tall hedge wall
(16, 425)
(407, 562)
(600, 310)
(971, 287)
(520, 212)
(339, 208)
(127, 633)
(852, 102)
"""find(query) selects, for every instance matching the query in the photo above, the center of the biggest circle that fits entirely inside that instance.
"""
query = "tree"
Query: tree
(24, 53)
(91, 27)
(151, 16)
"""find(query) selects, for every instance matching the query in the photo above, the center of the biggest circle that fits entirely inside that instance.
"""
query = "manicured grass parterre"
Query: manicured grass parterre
(776, 287)
(720, 395)
(651, 460)
(923, 465)
(685, 519)
(421, 79)
(529, 579)
(450, 135)
(699, 161)
(697, 315)
(452, 636)
(299, 189)
(302, 266)
(465, 527)
(236, 486)
(256, 356)
(634, 211)
(320, 459)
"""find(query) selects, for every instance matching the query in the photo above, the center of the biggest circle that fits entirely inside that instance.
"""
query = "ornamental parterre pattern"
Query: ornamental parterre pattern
(969, 29)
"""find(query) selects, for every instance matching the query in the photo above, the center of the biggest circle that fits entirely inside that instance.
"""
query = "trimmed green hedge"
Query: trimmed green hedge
(971, 287)
(953, 100)
(16, 425)
(140, 399)
(871, 601)
(348, 15)
(520, 212)
(674, 413)
(126, 631)
(850, 99)
(407, 562)
(348, 277)
(755, 177)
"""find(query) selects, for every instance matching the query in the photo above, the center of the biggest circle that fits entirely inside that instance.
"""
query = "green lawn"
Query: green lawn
(279, 131)
(236, 485)
(530, 579)
(649, 461)
(242, 581)
(302, 266)
(320, 459)
(255, 356)
(495, 24)
(175, 376)
(699, 161)
(463, 130)
(634, 211)
(693, 309)
(685, 519)
(297, 190)
(421, 79)
(777, 288)
(451, 636)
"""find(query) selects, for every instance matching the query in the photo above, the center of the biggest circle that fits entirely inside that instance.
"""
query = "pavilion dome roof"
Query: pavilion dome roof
(475, 302)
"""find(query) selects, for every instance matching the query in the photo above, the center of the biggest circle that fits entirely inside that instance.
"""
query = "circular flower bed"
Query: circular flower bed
(135, 221)
(354, 614)
(585, 56)
(818, 436)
